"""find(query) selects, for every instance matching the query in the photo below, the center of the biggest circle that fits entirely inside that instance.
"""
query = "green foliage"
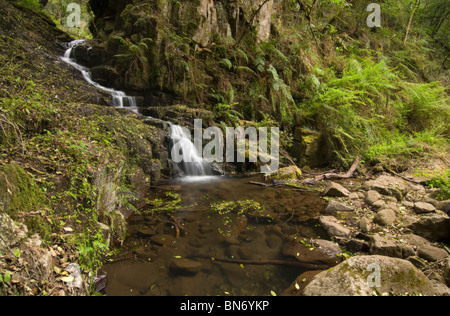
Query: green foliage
(442, 182)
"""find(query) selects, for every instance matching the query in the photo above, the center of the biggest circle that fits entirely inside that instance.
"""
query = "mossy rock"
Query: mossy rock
(286, 174)
(370, 275)
(22, 199)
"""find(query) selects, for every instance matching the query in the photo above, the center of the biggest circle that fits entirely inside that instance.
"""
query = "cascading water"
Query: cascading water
(192, 164)
(119, 98)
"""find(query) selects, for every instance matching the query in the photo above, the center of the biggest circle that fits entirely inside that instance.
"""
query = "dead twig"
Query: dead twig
(330, 176)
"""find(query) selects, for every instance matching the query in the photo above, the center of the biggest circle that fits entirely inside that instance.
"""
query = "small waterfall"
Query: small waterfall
(192, 164)
(119, 98)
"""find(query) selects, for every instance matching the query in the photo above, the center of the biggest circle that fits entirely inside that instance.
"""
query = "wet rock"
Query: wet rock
(433, 227)
(308, 148)
(385, 217)
(336, 190)
(334, 206)
(163, 240)
(431, 253)
(317, 251)
(351, 278)
(186, 266)
(333, 227)
(106, 76)
(372, 196)
(423, 207)
(387, 246)
(297, 287)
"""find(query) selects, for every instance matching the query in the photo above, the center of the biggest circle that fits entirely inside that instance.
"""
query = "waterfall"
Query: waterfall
(192, 164)
(119, 98)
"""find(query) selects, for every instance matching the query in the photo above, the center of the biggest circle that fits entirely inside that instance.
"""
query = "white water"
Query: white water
(119, 98)
(192, 165)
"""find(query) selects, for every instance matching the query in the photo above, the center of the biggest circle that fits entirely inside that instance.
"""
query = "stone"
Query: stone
(333, 227)
(186, 266)
(11, 233)
(335, 190)
(385, 217)
(423, 207)
(287, 173)
(334, 206)
(357, 276)
(365, 225)
(163, 240)
(387, 246)
(318, 252)
(378, 204)
(440, 289)
(433, 227)
(372, 196)
(308, 148)
(387, 185)
(353, 196)
(431, 253)
(447, 272)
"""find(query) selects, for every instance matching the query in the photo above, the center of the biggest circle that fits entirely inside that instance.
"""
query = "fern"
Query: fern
(226, 63)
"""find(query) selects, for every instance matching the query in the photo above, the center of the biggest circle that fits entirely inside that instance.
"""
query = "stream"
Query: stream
(175, 251)
(153, 261)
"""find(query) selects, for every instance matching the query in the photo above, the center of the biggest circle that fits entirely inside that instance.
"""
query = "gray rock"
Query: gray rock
(385, 217)
(365, 225)
(432, 227)
(336, 190)
(371, 197)
(423, 207)
(357, 276)
(387, 246)
(334, 206)
(447, 272)
(333, 227)
(387, 185)
(11, 232)
(431, 253)
(378, 204)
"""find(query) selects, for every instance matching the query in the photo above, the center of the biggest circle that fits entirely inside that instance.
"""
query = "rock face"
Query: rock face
(363, 275)
(308, 148)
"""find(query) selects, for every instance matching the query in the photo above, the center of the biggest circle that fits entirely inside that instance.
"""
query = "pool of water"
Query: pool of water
(174, 254)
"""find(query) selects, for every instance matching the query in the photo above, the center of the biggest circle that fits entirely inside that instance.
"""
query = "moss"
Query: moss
(23, 199)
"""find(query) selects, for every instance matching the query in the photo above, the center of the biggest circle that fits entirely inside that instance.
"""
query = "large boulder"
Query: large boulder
(370, 275)
(433, 227)
(388, 185)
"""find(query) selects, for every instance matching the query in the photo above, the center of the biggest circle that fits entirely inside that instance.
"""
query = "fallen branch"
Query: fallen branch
(288, 263)
(330, 176)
